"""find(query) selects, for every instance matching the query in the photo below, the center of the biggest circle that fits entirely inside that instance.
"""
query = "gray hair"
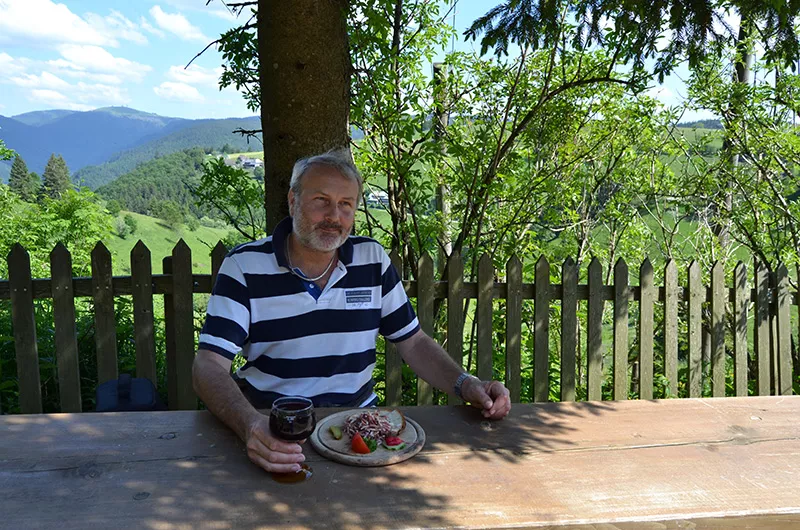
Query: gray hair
(337, 159)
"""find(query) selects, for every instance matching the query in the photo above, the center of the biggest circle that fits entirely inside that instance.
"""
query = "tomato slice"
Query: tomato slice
(358, 445)
(393, 440)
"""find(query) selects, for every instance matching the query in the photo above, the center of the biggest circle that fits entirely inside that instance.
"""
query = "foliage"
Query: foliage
(168, 178)
(635, 30)
(235, 195)
(76, 219)
(24, 184)
(5, 152)
(55, 179)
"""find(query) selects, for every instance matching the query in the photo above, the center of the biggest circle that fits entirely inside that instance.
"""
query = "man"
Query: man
(305, 307)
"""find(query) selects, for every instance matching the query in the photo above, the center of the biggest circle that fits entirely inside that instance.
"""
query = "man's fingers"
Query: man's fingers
(274, 467)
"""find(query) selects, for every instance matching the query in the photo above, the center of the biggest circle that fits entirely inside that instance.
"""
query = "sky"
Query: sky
(86, 54)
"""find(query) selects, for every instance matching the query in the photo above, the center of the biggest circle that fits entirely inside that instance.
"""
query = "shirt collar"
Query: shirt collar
(282, 231)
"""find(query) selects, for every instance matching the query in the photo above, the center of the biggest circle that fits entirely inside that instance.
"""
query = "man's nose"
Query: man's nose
(333, 211)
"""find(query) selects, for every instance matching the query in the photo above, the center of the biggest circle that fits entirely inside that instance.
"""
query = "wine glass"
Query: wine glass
(292, 419)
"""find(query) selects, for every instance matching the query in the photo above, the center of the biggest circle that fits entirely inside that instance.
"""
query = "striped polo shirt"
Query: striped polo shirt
(298, 340)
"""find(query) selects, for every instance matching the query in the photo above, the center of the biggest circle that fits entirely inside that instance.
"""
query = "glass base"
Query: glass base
(291, 478)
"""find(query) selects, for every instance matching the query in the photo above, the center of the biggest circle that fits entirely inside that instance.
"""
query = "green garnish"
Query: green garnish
(336, 432)
(372, 444)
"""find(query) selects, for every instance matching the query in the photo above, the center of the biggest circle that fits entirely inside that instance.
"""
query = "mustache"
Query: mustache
(325, 225)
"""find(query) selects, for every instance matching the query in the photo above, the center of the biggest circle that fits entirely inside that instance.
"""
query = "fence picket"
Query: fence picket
(455, 312)
(783, 315)
(66, 339)
(761, 329)
(182, 289)
(425, 305)
(646, 298)
(740, 306)
(671, 298)
(23, 319)
(144, 327)
(483, 313)
(105, 322)
(695, 318)
(569, 328)
(392, 361)
(217, 256)
(594, 332)
(169, 337)
(621, 293)
(541, 331)
(718, 303)
(514, 327)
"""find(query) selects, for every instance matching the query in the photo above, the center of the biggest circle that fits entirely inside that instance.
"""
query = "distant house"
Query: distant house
(377, 199)
(249, 163)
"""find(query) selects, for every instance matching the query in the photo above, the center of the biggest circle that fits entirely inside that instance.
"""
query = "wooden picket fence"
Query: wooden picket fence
(770, 295)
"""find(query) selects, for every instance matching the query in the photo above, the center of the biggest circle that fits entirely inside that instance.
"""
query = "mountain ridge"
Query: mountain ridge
(100, 136)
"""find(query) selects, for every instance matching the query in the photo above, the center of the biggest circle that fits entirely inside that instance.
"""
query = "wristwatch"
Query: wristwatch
(459, 383)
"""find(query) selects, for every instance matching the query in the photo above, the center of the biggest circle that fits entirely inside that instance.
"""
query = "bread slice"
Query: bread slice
(396, 420)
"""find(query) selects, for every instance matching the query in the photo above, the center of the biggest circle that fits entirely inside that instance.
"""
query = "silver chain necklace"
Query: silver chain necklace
(304, 277)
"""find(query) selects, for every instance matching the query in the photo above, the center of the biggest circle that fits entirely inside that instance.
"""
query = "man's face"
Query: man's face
(324, 211)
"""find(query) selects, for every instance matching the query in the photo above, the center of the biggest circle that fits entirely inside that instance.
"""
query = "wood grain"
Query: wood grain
(695, 463)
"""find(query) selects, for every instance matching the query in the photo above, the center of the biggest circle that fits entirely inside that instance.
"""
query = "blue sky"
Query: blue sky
(85, 54)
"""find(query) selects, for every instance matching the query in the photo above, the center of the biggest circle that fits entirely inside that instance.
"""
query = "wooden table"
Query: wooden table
(710, 463)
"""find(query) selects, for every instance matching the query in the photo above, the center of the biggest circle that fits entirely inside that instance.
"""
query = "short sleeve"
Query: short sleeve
(398, 320)
(227, 324)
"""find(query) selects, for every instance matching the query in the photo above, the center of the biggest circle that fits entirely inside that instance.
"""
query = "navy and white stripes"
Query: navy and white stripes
(294, 343)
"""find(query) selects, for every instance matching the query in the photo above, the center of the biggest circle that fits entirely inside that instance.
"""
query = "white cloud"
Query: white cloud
(178, 92)
(95, 59)
(46, 80)
(150, 29)
(9, 65)
(80, 96)
(215, 8)
(116, 25)
(45, 21)
(177, 24)
(195, 75)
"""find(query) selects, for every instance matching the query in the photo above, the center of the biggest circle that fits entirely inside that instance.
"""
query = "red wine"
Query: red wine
(292, 420)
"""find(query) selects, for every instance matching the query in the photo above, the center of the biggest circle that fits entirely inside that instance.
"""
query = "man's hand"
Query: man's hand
(491, 396)
(269, 452)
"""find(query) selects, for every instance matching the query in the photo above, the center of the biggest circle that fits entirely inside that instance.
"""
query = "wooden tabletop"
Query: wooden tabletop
(710, 463)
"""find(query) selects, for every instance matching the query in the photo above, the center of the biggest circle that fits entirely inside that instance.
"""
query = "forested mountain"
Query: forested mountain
(161, 179)
(42, 117)
(81, 138)
(197, 133)
(114, 139)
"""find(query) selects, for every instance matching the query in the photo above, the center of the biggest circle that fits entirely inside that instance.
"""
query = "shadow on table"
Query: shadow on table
(529, 428)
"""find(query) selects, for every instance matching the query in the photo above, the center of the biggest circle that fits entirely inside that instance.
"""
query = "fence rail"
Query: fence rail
(770, 297)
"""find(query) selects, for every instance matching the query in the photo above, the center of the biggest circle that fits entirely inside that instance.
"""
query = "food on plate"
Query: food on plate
(336, 432)
(359, 445)
(370, 429)
(396, 420)
(375, 424)
(393, 443)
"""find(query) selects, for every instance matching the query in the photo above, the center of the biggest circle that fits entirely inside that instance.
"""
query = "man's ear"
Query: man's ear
(290, 198)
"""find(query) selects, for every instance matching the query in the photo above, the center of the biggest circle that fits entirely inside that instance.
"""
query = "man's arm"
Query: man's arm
(430, 362)
(211, 377)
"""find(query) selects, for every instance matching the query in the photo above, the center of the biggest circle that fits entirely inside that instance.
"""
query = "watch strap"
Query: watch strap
(459, 383)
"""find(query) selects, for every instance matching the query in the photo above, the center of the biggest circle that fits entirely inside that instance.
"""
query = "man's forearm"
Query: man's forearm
(430, 362)
(222, 396)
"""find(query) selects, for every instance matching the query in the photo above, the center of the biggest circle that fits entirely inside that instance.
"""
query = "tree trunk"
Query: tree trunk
(304, 63)
(743, 66)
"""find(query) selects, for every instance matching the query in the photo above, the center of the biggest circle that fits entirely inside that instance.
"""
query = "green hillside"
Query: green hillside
(162, 179)
(207, 134)
(160, 239)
